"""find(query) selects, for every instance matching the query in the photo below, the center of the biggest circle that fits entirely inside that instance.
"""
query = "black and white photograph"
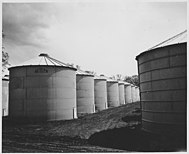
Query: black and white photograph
(94, 76)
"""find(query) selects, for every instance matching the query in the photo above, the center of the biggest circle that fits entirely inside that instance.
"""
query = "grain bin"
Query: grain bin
(162, 74)
(128, 97)
(5, 96)
(121, 93)
(100, 93)
(85, 93)
(133, 95)
(42, 89)
(138, 93)
(112, 93)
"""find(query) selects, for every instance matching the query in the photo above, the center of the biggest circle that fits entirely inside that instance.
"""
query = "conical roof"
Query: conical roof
(5, 77)
(179, 38)
(100, 77)
(44, 60)
(127, 83)
(81, 72)
(110, 79)
(121, 82)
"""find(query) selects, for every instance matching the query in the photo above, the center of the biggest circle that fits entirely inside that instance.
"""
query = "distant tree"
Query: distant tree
(135, 80)
(5, 56)
(119, 77)
(132, 79)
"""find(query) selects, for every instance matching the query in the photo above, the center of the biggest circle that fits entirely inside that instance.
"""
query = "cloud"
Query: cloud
(25, 23)
(100, 36)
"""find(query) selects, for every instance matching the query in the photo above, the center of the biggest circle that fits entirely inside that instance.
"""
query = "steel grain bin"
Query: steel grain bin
(128, 95)
(42, 89)
(133, 94)
(85, 93)
(163, 86)
(138, 93)
(5, 97)
(112, 93)
(100, 93)
(121, 93)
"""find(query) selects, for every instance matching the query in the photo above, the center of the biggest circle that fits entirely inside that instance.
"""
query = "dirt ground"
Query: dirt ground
(112, 130)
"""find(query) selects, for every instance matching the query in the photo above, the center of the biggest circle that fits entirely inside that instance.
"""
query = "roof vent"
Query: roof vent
(44, 55)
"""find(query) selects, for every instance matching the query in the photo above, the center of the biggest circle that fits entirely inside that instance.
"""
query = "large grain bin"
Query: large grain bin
(5, 96)
(121, 93)
(112, 93)
(128, 95)
(163, 84)
(42, 89)
(100, 93)
(85, 93)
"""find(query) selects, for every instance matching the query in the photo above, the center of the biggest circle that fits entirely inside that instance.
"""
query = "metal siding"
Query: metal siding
(133, 93)
(163, 89)
(112, 94)
(5, 98)
(128, 95)
(100, 92)
(121, 94)
(85, 94)
(44, 90)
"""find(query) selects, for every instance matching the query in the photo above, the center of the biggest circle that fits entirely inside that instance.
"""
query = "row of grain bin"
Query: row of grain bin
(46, 89)
(163, 85)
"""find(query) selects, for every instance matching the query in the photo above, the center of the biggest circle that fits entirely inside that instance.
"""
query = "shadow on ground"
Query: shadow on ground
(133, 139)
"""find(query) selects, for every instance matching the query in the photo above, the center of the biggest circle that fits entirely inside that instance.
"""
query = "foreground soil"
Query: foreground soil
(112, 130)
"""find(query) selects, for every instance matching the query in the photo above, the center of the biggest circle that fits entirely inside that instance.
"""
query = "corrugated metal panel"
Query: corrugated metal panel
(100, 93)
(112, 93)
(133, 93)
(162, 74)
(43, 92)
(128, 95)
(121, 93)
(85, 94)
(5, 97)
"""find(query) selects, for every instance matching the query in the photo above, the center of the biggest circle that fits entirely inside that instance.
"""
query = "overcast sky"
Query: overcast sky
(102, 36)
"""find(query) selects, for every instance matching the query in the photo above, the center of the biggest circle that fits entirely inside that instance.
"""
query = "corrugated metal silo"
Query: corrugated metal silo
(128, 95)
(121, 93)
(133, 95)
(163, 86)
(42, 89)
(112, 93)
(5, 97)
(85, 93)
(138, 93)
(100, 93)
